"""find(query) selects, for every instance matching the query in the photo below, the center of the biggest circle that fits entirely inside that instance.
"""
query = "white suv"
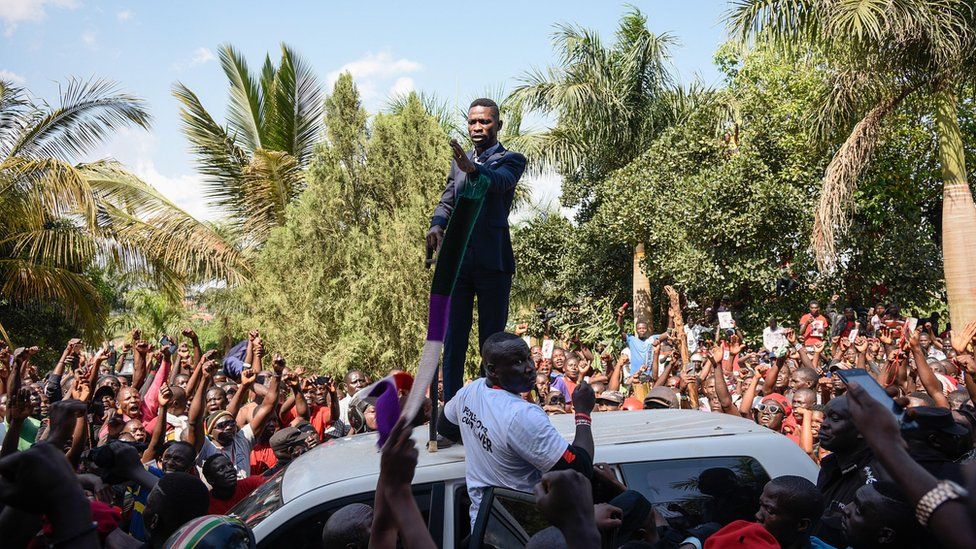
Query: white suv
(659, 453)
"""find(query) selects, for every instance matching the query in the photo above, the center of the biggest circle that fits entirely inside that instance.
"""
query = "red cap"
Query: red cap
(781, 400)
(742, 533)
(632, 404)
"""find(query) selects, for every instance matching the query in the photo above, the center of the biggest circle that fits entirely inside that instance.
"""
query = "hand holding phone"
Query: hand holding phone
(872, 388)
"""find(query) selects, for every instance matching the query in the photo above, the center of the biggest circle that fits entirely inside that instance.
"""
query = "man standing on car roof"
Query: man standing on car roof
(508, 441)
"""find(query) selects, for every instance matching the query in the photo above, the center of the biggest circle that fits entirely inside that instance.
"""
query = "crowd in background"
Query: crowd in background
(95, 457)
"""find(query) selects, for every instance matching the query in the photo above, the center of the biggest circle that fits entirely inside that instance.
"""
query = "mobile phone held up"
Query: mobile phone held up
(873, 388)
(165, 341)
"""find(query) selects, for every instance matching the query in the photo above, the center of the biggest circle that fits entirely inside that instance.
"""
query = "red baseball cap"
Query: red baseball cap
(781, 400)
(742, 533)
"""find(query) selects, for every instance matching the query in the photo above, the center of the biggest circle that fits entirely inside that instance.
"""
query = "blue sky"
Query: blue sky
(453, 49)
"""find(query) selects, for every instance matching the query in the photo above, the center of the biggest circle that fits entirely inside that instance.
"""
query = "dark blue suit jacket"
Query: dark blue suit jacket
(490, 247)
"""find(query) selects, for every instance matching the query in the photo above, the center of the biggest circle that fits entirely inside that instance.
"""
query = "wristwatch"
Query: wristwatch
(944, 491)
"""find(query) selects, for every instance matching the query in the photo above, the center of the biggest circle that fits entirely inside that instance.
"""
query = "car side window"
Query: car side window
(507, 519)
(304, 531)
(712, 489)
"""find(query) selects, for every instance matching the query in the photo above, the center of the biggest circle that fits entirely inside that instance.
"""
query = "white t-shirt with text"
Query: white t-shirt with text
(508, 442)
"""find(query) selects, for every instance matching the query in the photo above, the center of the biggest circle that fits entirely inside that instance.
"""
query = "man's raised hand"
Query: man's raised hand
(461, 158)
(962, 339)
(583, 398)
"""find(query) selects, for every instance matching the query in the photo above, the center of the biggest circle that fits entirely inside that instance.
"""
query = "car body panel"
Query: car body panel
(350, 466)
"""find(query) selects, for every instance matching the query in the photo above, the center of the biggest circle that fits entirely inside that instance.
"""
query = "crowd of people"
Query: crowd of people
(158, 457)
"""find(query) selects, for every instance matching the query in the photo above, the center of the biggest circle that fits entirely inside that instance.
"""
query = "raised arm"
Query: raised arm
(195, 340)
(263, 413)
(159, 431)
(745, 407)
(195, 435)
(931, 383)
(721, 387)
(240, 397)
(139, 367)
(620, 322)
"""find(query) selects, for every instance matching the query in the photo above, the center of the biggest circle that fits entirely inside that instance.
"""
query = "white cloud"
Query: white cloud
(135, 149)
(200, 56)
(12, 77)
(13, 12)
(124, 15)
(402, 86)
(376, 71)
(89, 37)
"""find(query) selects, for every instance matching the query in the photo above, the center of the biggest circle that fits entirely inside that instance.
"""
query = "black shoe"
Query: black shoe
(444, 442)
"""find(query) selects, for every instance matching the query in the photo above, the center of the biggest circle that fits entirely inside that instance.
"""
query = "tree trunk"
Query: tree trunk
(642, 291)
(958, 214)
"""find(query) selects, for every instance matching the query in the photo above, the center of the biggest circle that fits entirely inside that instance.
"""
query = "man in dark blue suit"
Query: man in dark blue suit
(488, 264)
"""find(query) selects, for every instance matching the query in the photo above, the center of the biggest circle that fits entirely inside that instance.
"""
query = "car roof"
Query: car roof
(358, 456)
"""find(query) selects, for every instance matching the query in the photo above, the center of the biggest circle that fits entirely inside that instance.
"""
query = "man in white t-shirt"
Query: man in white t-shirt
(354, 381)
(508, 441)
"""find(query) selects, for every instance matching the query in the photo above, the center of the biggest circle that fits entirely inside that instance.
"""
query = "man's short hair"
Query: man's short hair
(348, 527)
(186, 497)
(809, 374)
(485, 102)
(800, 497)
(503, 348)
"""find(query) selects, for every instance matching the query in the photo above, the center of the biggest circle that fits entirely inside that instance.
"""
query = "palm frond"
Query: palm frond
(27, 283)
(832, 214)
(218, 156)
(294, 106)
(245, 106)
(89, 112)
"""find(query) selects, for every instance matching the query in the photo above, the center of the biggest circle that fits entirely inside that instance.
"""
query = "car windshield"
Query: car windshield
(261, 503)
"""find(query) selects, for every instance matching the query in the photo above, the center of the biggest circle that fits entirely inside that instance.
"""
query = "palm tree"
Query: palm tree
(255, 164)
(62, 217)
(609, 104)
(877, 53)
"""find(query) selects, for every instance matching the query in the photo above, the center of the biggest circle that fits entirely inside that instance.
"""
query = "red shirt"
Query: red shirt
(262, 459)
(816, 328)
(320, 418)
(243, 489)
(570, 384)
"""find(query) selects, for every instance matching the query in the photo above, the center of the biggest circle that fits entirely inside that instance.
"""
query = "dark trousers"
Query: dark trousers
(492, 290)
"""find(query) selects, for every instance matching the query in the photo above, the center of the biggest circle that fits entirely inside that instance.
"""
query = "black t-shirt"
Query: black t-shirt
(838, 481)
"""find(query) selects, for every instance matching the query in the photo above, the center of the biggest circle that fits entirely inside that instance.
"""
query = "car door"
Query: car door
(506, 519)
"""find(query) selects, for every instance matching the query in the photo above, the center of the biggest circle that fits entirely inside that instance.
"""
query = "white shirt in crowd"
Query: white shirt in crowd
(344, 408)
(508, 442)
(239, 451)
(774, 339)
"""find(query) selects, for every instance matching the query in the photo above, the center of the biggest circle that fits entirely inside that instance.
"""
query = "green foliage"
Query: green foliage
(722, 219)
(342, 283)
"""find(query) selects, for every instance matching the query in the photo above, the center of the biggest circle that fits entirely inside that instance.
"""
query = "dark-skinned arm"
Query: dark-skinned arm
(240, 397)
(264, 412)
(139, 367)
(722, 394)
(745, 407)
(195, 435)
(926, 376)
(159, 430)
(950, 522)
(195, 340)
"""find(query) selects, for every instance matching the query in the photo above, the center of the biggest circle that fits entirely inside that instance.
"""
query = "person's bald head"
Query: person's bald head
(349, 527)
